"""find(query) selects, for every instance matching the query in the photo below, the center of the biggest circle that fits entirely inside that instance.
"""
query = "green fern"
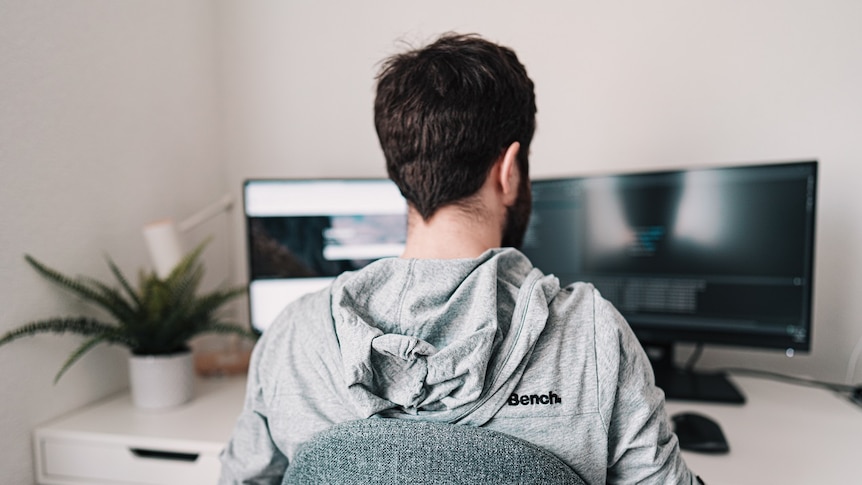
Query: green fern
(159, 317)
(78, 353)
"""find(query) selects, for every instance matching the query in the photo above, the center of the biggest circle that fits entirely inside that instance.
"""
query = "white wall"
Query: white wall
(111, 115)
(108, 120)
(621, 85)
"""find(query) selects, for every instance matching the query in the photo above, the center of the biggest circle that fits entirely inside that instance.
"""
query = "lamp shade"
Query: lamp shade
(163, 241)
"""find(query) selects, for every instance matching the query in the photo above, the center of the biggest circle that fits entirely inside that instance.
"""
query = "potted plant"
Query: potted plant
(155, 321)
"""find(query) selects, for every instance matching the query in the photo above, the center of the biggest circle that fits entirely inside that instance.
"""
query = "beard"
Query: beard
(518, 216)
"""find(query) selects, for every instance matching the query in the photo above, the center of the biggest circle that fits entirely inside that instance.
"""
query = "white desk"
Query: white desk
(112, 442)
(784, 434)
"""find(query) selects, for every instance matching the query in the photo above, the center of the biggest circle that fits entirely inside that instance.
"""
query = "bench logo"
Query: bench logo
(529, 399)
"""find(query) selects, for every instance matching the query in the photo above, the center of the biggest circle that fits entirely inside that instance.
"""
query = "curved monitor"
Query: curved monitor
(709, 255)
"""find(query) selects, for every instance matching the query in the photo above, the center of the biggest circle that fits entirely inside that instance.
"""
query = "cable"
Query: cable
(854, 359)
(694, 357)
(832, 386)
(855, 391)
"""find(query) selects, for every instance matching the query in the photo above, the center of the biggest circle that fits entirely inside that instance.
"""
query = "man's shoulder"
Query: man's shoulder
(580, 289)
(580, 304)
(304, 315)
(577, 296)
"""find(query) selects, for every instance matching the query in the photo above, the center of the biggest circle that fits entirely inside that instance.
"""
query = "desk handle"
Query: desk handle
(164, 455)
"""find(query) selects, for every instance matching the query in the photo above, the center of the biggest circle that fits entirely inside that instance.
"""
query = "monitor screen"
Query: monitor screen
(303, 233)
(710, 255)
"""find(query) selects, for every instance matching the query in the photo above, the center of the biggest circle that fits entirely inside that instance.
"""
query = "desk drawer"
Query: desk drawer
(66, 461)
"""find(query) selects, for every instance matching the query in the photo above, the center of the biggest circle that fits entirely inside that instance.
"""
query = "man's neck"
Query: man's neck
(451, 233)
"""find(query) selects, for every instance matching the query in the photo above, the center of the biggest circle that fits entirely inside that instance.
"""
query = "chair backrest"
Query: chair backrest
(397, 451)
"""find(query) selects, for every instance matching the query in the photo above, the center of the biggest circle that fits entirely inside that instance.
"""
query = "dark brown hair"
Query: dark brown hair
(446, 112)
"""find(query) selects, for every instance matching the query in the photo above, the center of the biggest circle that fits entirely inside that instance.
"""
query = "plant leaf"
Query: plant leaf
(122, 310)
(77, 354)
(160, 316)
(78, 286)
(184, 288)
(186, 263)
(133, 295)
(205, 305)
(78, 325)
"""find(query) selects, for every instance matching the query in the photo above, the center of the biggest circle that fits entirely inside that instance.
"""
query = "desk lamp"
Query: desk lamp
(163, 237)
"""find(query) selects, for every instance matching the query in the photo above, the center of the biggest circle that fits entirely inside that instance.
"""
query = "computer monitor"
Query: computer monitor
(707, 255)
(304, 233)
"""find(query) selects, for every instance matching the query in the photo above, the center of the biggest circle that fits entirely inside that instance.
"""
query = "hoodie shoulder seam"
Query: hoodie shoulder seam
(403, 296)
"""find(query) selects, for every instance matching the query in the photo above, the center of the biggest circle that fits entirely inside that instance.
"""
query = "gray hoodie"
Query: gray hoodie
(482, 342)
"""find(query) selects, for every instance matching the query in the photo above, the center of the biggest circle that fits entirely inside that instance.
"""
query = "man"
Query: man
(458, 329)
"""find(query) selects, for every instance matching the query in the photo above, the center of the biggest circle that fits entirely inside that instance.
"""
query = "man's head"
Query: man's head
(446, 113)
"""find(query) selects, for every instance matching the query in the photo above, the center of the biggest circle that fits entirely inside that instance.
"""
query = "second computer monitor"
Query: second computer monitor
(303, 233)
(713, 255)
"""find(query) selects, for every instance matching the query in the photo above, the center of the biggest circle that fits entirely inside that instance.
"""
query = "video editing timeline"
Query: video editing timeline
(302, 233)
(667, 295)
(719, 255)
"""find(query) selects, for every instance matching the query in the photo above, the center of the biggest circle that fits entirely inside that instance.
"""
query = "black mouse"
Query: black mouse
(697, 432)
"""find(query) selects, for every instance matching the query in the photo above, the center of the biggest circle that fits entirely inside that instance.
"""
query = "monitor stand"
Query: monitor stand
(686, 385)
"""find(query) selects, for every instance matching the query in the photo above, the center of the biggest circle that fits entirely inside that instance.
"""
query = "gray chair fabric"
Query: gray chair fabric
(396, 451)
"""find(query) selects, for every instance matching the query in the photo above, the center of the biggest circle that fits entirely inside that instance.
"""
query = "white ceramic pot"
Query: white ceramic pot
(161, 381)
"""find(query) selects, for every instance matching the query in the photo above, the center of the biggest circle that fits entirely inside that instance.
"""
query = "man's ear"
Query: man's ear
(510, 175)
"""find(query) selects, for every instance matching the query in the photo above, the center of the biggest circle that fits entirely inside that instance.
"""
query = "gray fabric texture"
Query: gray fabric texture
(400, 452)
(488, 342)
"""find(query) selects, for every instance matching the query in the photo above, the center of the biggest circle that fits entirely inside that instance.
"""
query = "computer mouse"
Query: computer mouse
(700, 433)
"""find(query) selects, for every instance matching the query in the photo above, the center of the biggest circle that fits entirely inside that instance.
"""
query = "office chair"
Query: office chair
(398, 451)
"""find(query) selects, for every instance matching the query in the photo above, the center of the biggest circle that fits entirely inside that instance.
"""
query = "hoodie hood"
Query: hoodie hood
(442, 340)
